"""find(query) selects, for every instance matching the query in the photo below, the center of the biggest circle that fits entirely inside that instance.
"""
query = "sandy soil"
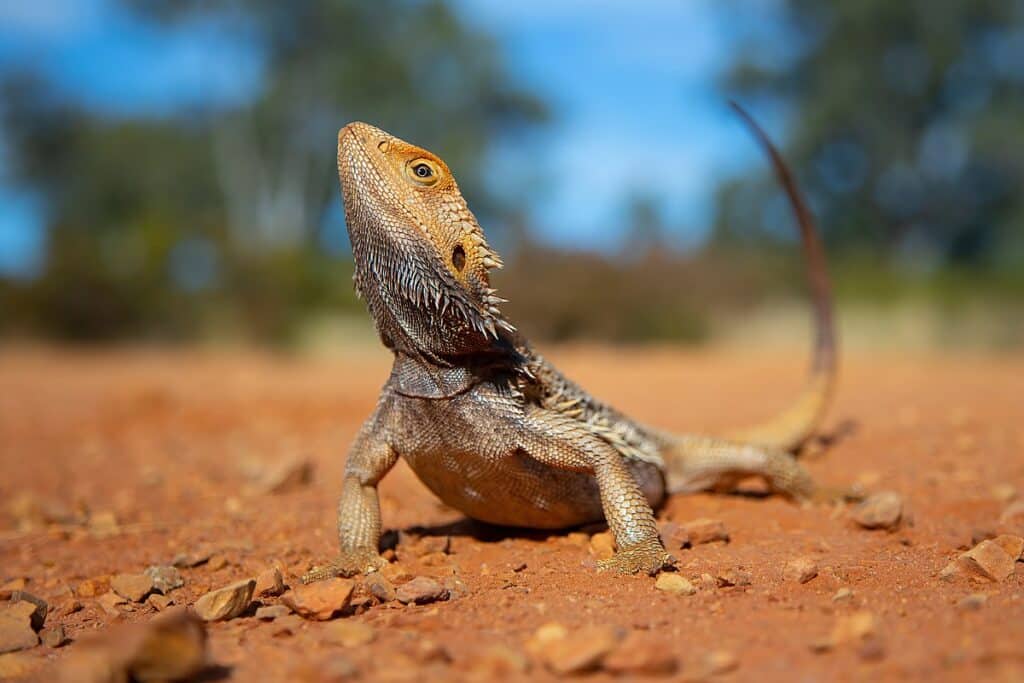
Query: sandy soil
(160, 450)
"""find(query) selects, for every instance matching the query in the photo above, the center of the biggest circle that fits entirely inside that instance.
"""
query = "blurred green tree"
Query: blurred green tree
(165, 225)
(906, 120)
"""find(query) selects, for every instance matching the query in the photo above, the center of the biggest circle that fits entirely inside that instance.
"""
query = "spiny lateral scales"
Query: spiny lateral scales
(492, 428)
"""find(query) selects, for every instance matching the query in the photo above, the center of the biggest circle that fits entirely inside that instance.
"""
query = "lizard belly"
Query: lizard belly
(472, 463)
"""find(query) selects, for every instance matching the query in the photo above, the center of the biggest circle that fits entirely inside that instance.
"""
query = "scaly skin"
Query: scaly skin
(486, 423)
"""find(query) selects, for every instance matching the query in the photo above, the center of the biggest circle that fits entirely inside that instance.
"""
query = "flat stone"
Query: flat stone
(989, 560)
(110, 601)
(706, 531)
(159, 602)
(90, 588)
(227, 602)
(320, 601)
(270, 583)
(35, 607)
(674, 584)
(843, 595)
(16, 631)
(719, 662)
(578, 651)
(673, 536)
(165, 578)
(640, 654)
(800, 570)
(348, 633)
(271, 612)
(134, 587)
(736, 576)
(882, 510)
(420, 591)
(171, 646)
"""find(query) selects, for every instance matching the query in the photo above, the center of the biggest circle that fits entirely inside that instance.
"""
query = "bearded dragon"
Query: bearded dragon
(485, 422)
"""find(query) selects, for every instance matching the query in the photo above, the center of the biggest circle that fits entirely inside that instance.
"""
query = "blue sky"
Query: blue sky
(631, 86)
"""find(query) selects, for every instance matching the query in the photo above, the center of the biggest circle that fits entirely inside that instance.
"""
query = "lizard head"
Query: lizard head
(422, 262)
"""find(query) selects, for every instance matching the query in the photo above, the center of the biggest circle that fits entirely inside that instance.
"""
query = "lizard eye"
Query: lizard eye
(422, 171)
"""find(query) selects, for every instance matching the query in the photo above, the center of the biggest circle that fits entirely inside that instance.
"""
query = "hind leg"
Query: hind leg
(700, 463)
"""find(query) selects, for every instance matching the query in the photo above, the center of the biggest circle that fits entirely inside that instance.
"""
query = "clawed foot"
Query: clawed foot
(648, 557)
(350, 563)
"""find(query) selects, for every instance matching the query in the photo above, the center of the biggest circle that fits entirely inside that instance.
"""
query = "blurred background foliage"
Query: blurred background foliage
(904, 121)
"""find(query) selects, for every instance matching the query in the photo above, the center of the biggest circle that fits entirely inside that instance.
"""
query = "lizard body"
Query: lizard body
(490, 426)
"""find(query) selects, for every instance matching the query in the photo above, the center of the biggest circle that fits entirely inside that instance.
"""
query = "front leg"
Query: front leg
(566, 443)
(370, 458)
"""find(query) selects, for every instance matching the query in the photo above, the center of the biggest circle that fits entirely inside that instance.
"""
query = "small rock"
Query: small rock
(602, 545)
(412, 546)
(719, 662)
(55, 637)
(429, 651)
(842, 595)
(90, 588)
(110, 601)
(216, 562)
(973, 602)
(104, 525)
(271, 612)
(1004, 493)
(497, 662)
(348, 633)
(1013, 517)
(988, 559)
(673, 536)
(576, 652)
(706, 531)
(396, 573)
(420, 591)
(578, 538)
(322, 600)
(881, 510)
(192, 559)
(270, 583)
(7, 589)
(675, 584)
(159, 602)
(737, 576)
(800, 570)
(35, 607)
(857, 627)
(285, 475)
(1013, 545)
(708, 582)
(172, 646)
(16, 631)
(134, 587)
(641, 655)
(227, 602)
(379, 587)
(71, 607)
(165, 578)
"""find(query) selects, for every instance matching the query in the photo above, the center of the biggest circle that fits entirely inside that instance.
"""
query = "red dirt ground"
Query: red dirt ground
(166, 442)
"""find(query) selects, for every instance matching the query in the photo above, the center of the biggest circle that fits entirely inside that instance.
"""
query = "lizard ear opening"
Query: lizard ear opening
(459, 257)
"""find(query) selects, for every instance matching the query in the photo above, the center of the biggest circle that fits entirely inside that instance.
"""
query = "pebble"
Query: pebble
(673, 536)
(189, 560)
(737, 576)
(857, 627)
(641, 655)
(379, 587)
(270, 583)
(882, 510)
(842, 595)
(227, 602)
(159, 602)
(719, 662)
(497, 662)
(674, 584)
(1013, 517)
(602, 545)
(396, 572)
(171, 646)
(1004, 493)
(708, 582)
(972, 602)
(577, 651)
(134, 587)
(16, 631)
(271, 612)
(110, 601)
(1013, 545)
(348, 633)
(54, 637)
(322, 600)
(800, 570)
(288, 474)
(706, 531)
(7, 589)
(989, 560)
(216, 562)
(420, 591)
(90, 588)
(165, 578)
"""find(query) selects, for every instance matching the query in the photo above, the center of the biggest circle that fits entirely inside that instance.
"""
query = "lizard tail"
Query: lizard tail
(790, 429)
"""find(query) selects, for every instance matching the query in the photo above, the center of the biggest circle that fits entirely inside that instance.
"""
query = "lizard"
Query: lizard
(483, 419)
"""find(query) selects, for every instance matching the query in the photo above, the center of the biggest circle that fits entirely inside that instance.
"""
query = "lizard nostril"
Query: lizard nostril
(384, 145)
